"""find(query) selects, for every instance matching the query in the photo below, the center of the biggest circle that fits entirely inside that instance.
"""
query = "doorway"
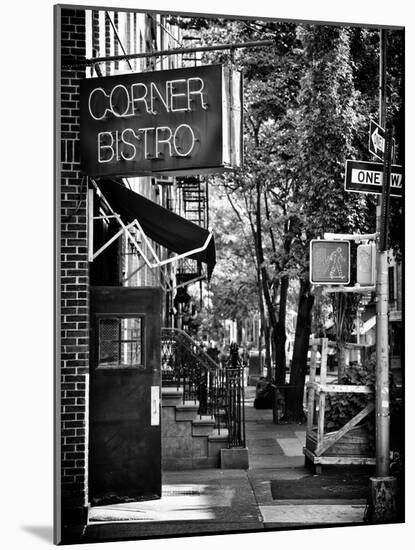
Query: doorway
(124, 408)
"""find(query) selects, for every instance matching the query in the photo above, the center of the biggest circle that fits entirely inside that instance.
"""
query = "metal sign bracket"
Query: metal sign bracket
(135, 234)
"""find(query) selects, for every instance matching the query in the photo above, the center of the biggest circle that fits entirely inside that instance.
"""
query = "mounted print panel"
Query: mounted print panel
(229, 330)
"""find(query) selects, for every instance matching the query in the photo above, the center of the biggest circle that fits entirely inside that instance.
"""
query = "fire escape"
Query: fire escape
(194, 199)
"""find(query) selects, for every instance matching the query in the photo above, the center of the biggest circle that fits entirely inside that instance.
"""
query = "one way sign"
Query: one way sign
(377, 141)
(367, 177)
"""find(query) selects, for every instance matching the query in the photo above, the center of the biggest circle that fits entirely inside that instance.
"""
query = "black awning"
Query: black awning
(159, 224)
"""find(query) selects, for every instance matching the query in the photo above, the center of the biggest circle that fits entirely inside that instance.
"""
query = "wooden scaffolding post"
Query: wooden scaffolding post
(322, 397)
(342, 446)
(311, 390)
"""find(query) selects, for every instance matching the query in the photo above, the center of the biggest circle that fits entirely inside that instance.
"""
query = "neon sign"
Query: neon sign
(177, 121)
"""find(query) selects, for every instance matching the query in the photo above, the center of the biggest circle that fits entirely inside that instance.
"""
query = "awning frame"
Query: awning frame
(155, 262)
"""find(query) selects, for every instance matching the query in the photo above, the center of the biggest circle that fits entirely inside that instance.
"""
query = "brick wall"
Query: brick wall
(74, 281)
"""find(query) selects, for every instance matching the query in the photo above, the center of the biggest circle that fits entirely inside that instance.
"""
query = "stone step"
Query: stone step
(191, 441)
(219, 434)
(203, 426)
(187, 411)
(171, 390)
(171, 396)
(217, 440)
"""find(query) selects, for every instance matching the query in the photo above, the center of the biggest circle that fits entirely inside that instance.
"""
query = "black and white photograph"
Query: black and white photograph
(228, 255)
(230, 221)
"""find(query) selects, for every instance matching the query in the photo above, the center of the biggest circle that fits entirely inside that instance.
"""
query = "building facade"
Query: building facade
(93, 252)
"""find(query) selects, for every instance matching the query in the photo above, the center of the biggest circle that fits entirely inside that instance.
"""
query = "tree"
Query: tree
(326, 122)
(263, 189)
(307, 100)
(233, 285)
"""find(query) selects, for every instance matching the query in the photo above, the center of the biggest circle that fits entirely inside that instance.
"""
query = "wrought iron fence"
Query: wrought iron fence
(217, 388)
(235, 397)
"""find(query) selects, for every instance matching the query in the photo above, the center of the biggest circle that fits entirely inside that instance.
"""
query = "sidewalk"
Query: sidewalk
(276, 492)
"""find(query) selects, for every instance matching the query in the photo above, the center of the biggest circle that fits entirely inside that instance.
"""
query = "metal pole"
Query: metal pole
(383, 487)
(382, 362)
(174, 51)
(382, 367)
(382, 78)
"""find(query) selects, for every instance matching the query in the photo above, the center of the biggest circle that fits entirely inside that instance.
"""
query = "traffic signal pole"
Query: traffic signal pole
(383, 486)
(382, 340)
(382, 344)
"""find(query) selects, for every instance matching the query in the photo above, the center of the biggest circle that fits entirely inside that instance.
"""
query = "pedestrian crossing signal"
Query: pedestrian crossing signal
(329, 262)
(366, 264)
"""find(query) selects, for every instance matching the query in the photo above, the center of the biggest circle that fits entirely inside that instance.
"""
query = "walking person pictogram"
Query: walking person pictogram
(334, 263)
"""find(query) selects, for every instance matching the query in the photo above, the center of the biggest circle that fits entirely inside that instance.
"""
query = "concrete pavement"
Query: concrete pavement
(275, 452)
(220, 501)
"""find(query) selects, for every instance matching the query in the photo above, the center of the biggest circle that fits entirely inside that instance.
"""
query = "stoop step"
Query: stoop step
(189, 441)
(219, 435)
(217, 440)
(170, 396)
(203, 426)
(172, 390)
(187, 411)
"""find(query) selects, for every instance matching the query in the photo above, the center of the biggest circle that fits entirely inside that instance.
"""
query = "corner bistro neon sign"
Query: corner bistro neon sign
(140, 96)
(177, 121)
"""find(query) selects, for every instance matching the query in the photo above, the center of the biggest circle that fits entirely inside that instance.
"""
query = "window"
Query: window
(120, 342)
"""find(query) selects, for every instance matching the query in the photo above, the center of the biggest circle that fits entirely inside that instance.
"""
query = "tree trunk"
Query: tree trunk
(280, 285)
(259, 273)
(267, 341)
(294, 397)
(280, 335)
(264, 273)
(262, 316)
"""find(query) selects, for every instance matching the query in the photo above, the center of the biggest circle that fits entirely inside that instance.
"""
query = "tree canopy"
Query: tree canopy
(308, 99)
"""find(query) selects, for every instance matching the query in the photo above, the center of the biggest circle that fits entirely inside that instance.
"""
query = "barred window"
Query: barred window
(120, 342)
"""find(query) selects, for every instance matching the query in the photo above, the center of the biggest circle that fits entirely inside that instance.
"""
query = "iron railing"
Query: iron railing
(235, 399)
(217, 388)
